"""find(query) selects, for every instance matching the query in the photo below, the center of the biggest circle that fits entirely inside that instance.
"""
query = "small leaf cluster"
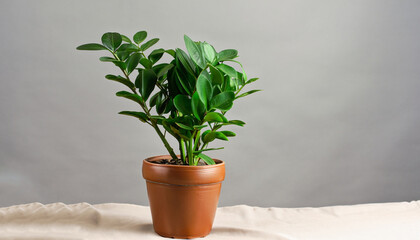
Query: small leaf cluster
(187, 97)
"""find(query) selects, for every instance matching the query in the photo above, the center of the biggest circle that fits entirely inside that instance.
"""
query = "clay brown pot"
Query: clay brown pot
(183, 199)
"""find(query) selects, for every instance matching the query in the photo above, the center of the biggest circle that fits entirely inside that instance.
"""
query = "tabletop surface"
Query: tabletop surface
(383, 221)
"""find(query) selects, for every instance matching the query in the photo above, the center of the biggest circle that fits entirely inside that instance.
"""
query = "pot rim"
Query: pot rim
(149, 161)
(182, 174)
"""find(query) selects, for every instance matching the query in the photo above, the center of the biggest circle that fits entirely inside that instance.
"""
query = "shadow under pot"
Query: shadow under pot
(183, 199)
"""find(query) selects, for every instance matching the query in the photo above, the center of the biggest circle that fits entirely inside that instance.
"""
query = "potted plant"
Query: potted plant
(187, 98)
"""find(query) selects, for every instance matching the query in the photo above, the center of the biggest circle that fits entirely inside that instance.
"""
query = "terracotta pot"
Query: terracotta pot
(183, 199)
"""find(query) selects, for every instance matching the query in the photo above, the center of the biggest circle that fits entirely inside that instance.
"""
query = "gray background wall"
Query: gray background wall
(338, 121)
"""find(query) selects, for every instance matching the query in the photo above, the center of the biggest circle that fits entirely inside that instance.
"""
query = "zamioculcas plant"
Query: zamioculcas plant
(187, 97)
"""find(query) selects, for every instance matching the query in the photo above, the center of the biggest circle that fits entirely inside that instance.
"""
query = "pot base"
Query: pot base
(183, 199)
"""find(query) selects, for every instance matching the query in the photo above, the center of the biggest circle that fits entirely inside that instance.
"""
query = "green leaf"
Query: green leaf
(107, 59)
(215, 117)
(185, 61)
(204, 89)
(164, 70)
(221, 136)
(120, 64)
(195, 52)
(206, 159)
(139, 79)
(251, 80)
(140, 115)
(120, 80)
(209, 52)
(208, 149)
(170, 52)
(236, 122)
(156, 55)
(230, 71)
(208, 137)
(111, 40)
(146, 63)
(125, 38)
(183, 126)
(154, 99)
(227, 54)
(127, 48)
(91, 47)
(131, 96)
(200, 126)
(228, 133)
(183, 104)
(216, 75)
(198, 107)
(139, 37)
(184, 83)
(148, 44)
(148, 83)
(247, 93)
(223, 101)
(132, 62)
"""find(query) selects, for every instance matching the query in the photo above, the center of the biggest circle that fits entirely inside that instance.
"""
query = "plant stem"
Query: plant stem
(182, 150)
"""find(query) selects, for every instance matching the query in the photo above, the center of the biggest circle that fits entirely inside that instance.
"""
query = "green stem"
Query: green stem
(182, 150)
(190, 152)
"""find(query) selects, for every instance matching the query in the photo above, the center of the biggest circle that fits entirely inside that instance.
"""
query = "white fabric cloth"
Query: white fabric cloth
(125, 221)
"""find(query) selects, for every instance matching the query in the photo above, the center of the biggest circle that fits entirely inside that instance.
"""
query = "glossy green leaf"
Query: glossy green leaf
(216, 76)
(91, 47)
(215, 117)
(209, 52)
(236, 122)
(198, 127)
(223, 101)
(170, 52)
(125, 38)
(148, 44)
(120, 80)
(155, 98)
(183, 104)
(203, 135)
(208, 149)
(140, 115)
(227, 54)
(164, 70)
(120, 64)
(206, 159)
(183, 126)
(183, 81)
(251, 80)
(160, 108)
(132, 62)
(156, 55)
(146, 63)
(131, 96)
(248, 93)
(221, 136)
(198, 107)
(228, 133)
(230, 71)
(138, 81)
(111, 40)
(148, 83)
(209, 137)
(128, 48)
(185, 61)
(195, 52)
(107, 59)
(139, 37)
(204, 89)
